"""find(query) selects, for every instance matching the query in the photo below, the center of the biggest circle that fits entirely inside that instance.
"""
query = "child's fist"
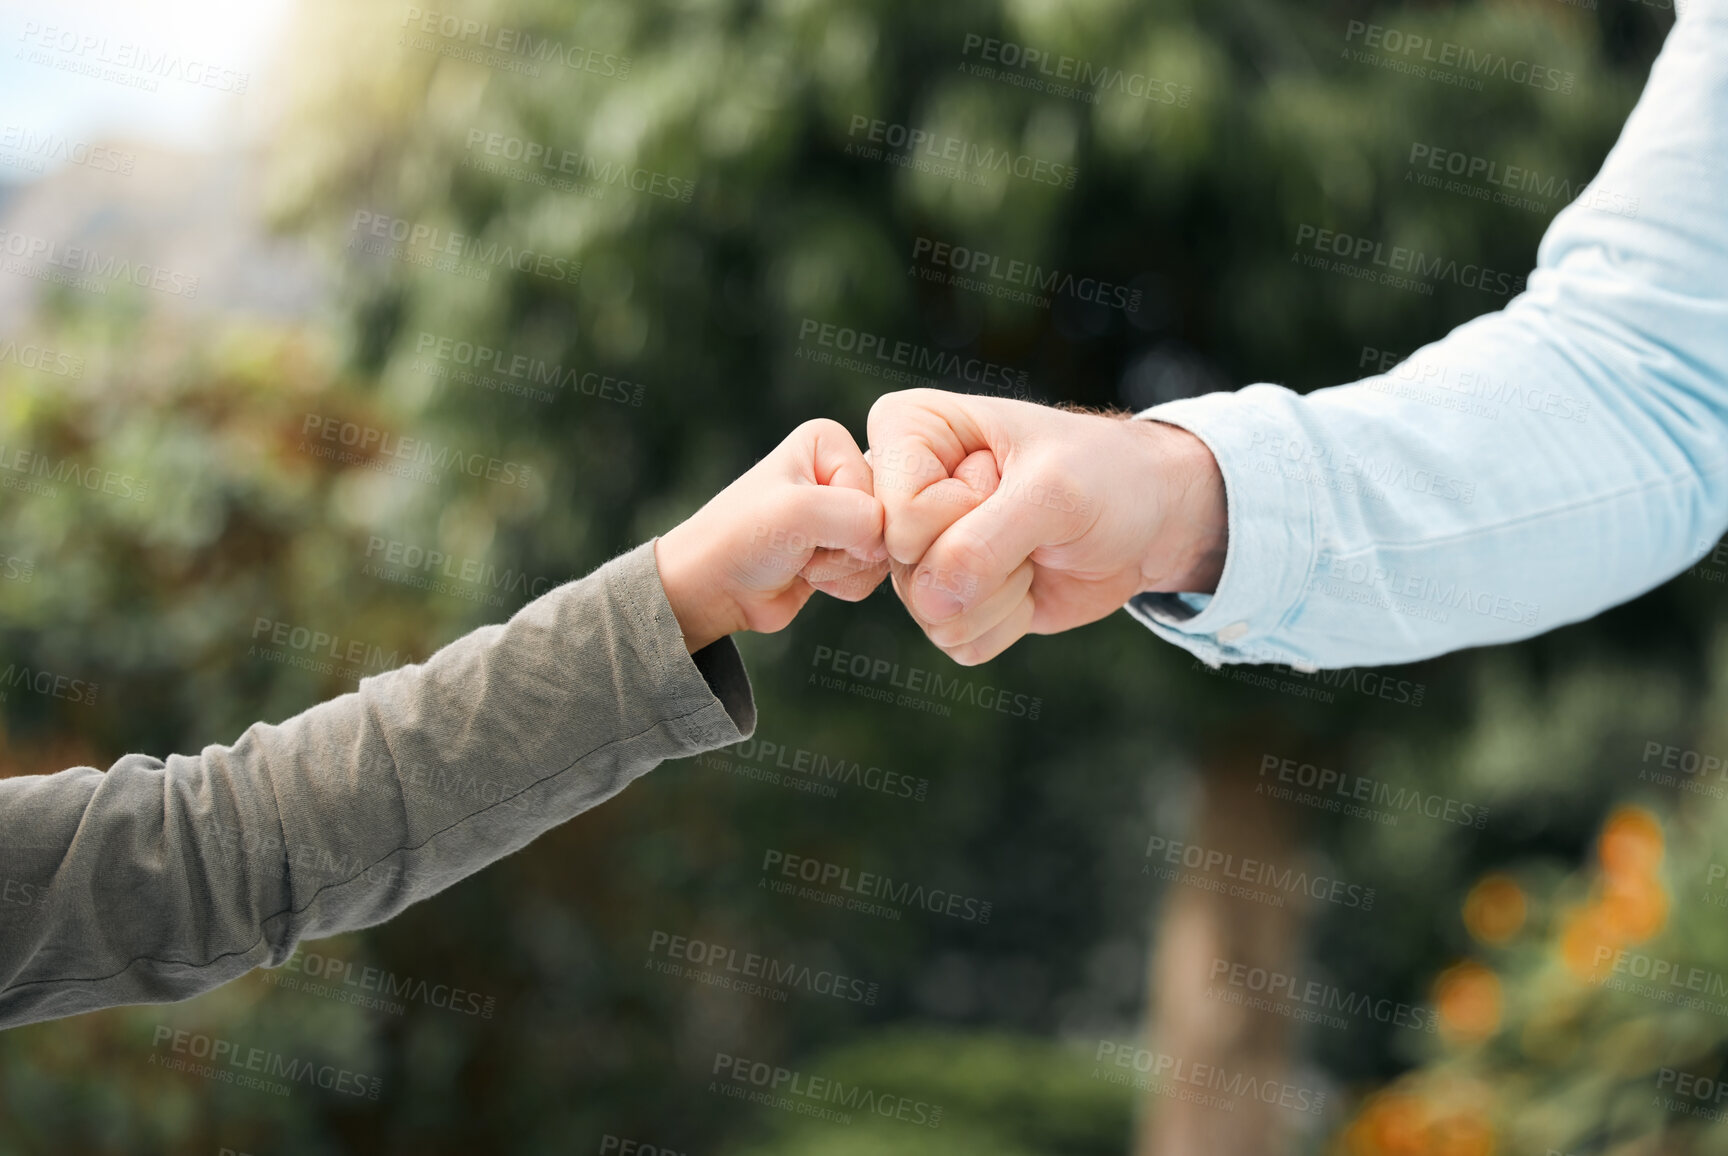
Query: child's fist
(804, 518)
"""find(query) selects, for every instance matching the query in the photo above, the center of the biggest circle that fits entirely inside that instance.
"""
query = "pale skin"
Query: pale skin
(1006, 518)
(998, 519)
(800, 520)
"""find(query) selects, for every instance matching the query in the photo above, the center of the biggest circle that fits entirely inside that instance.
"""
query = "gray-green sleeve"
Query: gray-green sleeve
(155, 881)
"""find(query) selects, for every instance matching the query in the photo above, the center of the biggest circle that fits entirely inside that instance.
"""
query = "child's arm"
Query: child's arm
(157, 880)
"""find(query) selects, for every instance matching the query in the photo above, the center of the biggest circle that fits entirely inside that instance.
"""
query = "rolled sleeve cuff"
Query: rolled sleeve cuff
(1273, 534)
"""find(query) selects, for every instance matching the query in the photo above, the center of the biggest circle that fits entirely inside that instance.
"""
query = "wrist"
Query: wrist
(704, 615)
(1189, 536)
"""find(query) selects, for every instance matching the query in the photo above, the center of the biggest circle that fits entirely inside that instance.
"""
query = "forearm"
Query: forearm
(156, 881)
(1532, 468)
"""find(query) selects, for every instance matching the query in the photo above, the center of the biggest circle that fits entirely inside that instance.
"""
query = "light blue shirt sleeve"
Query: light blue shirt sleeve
(1532, 468)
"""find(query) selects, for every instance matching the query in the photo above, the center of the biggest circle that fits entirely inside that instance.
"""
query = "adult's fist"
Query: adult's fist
(1006, 518)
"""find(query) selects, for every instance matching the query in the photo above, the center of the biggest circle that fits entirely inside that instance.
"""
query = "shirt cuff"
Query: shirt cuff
(723, 668)
(1272, 521)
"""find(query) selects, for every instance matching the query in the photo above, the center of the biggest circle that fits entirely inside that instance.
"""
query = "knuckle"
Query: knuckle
(1055, 471)
(783, 516)
(884, 408)
(949, 634)
(905, 542)
(848, 588)
(965, 654)
(821, 425)
(962, 553)
(823, 429)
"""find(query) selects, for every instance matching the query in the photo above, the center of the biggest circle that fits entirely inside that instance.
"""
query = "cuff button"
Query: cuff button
(1233, 633)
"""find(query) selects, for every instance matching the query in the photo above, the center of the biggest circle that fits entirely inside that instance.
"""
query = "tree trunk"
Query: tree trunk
(1184, 1023)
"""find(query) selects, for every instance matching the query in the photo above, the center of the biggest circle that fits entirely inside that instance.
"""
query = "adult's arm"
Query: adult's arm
(1533, 468)
(158, 880)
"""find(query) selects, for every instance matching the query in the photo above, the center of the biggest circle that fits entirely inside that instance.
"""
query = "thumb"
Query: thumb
(835, 518)
(933, 462)
(824, 452)
(847, 526)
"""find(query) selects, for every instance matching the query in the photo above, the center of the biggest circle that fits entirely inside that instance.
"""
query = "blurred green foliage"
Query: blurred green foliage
(701, 303)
